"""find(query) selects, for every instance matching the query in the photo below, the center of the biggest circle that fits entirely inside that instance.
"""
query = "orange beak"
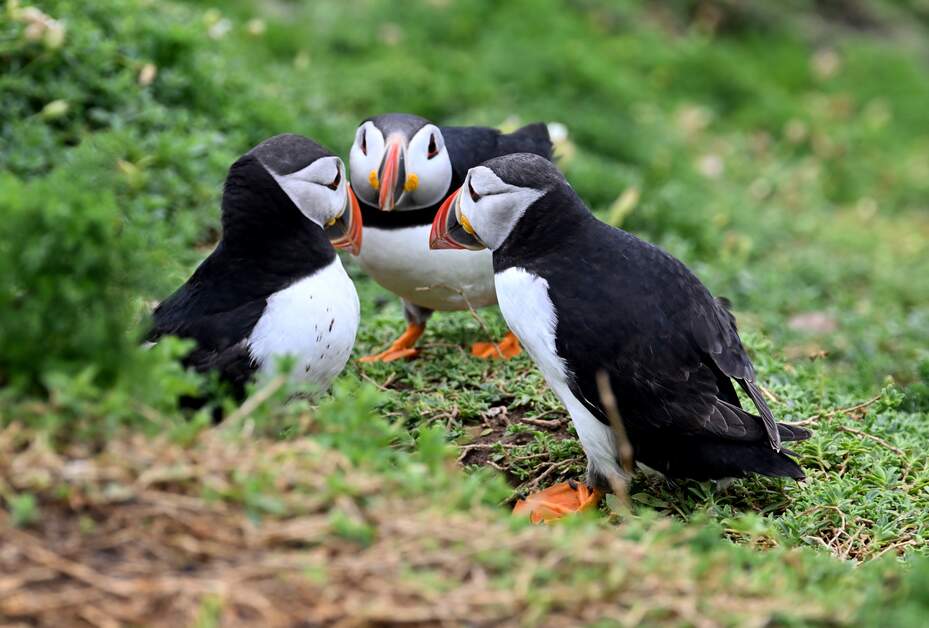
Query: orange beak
(346, 231)
(448, 232)
(392, 175)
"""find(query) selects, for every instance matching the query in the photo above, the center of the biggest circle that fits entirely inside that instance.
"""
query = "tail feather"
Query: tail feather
(776, 464)
(532, 138)
(711, 459)
(770, 424)
(792, 432)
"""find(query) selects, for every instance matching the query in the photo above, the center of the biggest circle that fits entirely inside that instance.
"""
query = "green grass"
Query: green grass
(783, 157)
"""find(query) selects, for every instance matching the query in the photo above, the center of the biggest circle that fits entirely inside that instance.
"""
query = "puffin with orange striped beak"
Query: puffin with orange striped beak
(601, 311)
(274, 286)
(402, 169)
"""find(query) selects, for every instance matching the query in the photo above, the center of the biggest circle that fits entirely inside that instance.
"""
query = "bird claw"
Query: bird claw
(557, 501)
(391, 355)
(402, 348)
(507, 348)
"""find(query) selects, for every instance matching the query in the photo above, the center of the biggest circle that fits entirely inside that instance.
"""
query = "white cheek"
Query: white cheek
(361, 164)
(361, 167)
(316, 202)
(330, 203)
(310, 198)
(433, 178)
(494, 217)
(481, 218)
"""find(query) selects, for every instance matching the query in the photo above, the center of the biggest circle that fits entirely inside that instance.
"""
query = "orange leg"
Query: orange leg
(507, 348)
(557, 501)
(402, 347)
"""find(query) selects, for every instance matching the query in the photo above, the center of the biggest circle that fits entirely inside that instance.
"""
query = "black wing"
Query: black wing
(220, 336)
(473, 145)
(217, 311)
(668, 346)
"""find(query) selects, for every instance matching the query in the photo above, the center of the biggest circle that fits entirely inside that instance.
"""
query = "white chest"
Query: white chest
(530, 313)
(401, 261)
(313, 321)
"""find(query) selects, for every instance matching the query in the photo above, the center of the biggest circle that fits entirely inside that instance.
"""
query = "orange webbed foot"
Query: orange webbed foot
(402, 348)
(507, 348)
(558, 501)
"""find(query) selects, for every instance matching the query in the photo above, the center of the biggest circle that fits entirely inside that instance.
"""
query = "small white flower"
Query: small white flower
(147, 74)
(557, 131)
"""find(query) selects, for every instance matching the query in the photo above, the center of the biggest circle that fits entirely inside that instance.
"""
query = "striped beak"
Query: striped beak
(392, 174)
(451, 229)
(345, 231)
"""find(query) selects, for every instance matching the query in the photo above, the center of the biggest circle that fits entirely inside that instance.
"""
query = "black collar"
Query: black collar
(373, 217)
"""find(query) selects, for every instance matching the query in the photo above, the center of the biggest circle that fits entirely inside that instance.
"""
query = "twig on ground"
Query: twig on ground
(623, 446)
(894, 546)
(832, 543)
(252, 403)
(477, 317)
(151, 414)
(381, 386)
(549, 470)
(877, 439)
(831, 413)
(464, 449)
(547, 423)
(495, 466)
(37, 552)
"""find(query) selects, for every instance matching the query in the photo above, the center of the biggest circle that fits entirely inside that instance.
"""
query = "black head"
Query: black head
(286, 178)
(288, 153)
(500, 195)
(399, 162)
(404, 123)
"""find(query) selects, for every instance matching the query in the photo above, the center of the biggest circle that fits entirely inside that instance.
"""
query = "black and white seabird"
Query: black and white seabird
(274, 285)
(584, 297)
(402, 168)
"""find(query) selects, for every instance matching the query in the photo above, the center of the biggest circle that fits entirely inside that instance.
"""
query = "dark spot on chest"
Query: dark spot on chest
(331, 323)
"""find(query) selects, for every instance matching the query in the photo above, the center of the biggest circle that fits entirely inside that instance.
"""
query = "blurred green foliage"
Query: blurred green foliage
(70, 273)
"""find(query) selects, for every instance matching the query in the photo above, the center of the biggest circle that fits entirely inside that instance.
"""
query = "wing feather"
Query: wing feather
(669, 347)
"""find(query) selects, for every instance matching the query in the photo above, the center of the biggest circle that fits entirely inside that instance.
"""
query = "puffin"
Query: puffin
(402, 168)
(589, 301)
(274, 285)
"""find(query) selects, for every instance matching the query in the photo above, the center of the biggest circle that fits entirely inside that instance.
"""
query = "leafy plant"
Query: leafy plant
(70, 270)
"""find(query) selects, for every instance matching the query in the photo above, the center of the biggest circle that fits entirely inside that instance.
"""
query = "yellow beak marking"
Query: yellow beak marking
(466, 224)
(331, 221)
(412, 182)
(372, 179)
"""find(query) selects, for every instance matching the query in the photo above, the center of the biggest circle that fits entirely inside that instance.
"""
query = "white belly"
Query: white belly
(401, 261)
(531, 315)
(313, 321)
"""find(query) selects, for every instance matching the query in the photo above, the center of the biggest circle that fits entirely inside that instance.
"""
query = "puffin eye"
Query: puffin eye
(433, 149)
(335, 182)
(364, 143)
(474, 195)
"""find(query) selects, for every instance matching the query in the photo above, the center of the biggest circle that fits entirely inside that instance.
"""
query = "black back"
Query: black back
(670, 349)
(267, 244)
(468, 146)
